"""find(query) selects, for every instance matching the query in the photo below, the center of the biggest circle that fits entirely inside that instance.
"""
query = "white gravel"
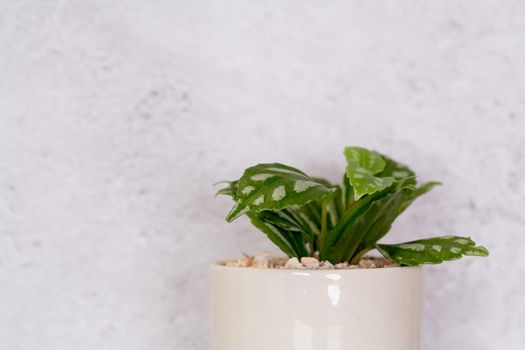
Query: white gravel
(265, 261)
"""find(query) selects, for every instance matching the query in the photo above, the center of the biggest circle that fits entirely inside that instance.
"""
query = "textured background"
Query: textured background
(116, 118)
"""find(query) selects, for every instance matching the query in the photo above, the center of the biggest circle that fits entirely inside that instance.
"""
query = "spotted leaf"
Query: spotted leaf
(363, 169)
(275, 186)
(229, 190)
(397, 170)
(431, 250)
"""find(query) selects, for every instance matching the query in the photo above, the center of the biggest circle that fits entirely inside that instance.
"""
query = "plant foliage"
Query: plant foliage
(304, 215)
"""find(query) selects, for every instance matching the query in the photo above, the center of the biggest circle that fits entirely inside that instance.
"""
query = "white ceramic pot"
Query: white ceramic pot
(277, 309)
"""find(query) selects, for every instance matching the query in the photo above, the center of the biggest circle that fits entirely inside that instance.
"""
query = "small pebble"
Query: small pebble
(245, 262)
(326, 265)
(367, 264)
(310, 263)
(293, 263)
(343, 265)
(261, 261)
(232, 263)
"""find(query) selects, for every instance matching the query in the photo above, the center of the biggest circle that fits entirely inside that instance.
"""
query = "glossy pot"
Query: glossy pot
(278, 309)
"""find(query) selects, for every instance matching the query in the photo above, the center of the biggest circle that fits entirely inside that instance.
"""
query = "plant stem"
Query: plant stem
(350, 201)
(359, 255)
(322, 236)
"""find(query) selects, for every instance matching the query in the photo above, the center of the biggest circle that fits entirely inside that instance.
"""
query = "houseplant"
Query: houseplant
(310, 218)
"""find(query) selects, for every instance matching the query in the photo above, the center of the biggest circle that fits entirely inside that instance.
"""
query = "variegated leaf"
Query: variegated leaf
(275, 186)
(362, 168)
(230, 190)
(431, 250)
(397, 170)
(367, 159)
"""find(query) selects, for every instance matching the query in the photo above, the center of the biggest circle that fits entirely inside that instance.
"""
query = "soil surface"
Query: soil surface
(265, 261)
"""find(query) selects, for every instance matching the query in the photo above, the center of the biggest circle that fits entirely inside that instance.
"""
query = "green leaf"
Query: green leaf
(397, 170)
(347, 194)
(230, 190)
(370, 219)
(290, 243)
(310, 214)
(373, 221)
(431, 251)
(402, 191)
(362, 167)
(359, 207)
(280, 218)
(366, 159)
(419, 191)
(275, 186)
(348, 219)
(334, 200)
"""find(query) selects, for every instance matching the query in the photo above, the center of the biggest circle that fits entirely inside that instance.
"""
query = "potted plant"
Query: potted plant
(326, 294)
